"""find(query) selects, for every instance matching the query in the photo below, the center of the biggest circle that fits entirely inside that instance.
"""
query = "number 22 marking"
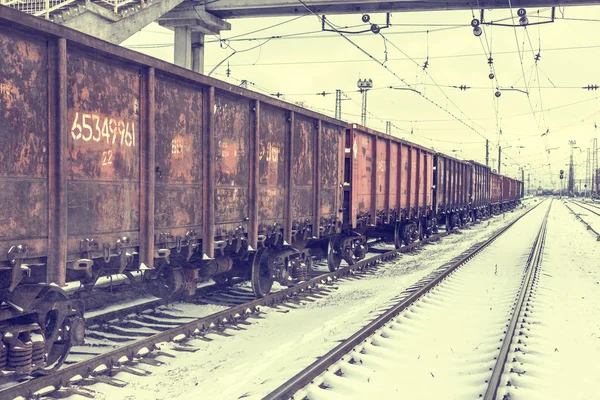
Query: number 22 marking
(107, 157)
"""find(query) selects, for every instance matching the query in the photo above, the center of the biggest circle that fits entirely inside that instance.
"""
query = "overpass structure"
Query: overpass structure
(191, 20)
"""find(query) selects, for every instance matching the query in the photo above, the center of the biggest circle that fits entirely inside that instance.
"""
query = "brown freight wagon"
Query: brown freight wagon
(496, 192)
(452, 190)
(389, 186)
(115, 162)
(514, 192)
(480, 190)
(509, 193)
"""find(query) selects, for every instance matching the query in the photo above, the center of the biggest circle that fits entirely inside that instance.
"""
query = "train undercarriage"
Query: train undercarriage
(38, 326)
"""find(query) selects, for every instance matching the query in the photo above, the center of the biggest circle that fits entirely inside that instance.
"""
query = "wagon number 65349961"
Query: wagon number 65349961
(90, 126)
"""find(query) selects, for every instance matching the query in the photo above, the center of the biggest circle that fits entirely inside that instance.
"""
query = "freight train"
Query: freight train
(113, 162)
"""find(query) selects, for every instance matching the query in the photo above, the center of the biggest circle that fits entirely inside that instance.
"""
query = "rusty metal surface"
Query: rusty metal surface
(179, 157)
(404, 179)
(362, 167)
(381, 168)
(395, 183)
(495, 188)
(23, 134)
(13, 19)
(208, 172)
(271, 166)
(429, 182)
(454, 183)
(413, 180)
(480, 184)
(57, 154)
(102, 107)
(440, 187)
(506, 188)
(423, 172)
(331, 140)
(231, 135)
(302, 168)
(103, 99)
(253, 194)
(147, 167)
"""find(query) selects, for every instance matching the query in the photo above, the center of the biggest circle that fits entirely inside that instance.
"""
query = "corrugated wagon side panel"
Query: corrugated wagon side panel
(231, 161)
(363, 172)
(271, 163)
(303, 154)
(506, 183)
(24, 138)
(394, 172)
(103, 118)
(331, 140)
(440, 184)
(179, 157)
(466, 183)
(413, 179)
(405, 178)
(487, 191)
(429, 182)
(496, 183)
(422, 180)
(477, 185)
(382, 166)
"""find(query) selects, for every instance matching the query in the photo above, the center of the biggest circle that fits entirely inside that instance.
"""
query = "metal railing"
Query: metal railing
(39, 8)
(44, 8)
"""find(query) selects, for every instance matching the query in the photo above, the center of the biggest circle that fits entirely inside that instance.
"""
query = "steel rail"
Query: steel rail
(112, 361)
(584, 206)
(304, 377)
(578, 216)
(532, 267)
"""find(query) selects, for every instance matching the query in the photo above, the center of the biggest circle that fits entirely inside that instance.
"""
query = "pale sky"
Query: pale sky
(301, 66)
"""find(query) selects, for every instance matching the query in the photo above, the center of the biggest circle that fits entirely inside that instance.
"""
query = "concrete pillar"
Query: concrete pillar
(183, 46)
(198, 52)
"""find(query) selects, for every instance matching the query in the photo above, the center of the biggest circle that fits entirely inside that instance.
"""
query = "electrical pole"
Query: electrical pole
(364, 85)
(499, 157)
(487, 153)
(587, 173)
(338, 104)
(595, 172)
(571, 184)
(529, 184)
(388, 128)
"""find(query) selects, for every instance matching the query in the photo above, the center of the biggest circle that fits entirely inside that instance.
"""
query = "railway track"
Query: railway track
(594, 226)
(148, 324)
(390, 341)
(141, 327)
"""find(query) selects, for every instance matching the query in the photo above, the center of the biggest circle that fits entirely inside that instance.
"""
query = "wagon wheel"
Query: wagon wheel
(262, 273)
(56, 326)
(398, 236)
(334, 259)
(167, 283)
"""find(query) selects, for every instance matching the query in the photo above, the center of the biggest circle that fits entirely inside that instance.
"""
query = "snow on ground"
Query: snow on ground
(259, 357)
(561, 347)
(588, 213)
(442, 347)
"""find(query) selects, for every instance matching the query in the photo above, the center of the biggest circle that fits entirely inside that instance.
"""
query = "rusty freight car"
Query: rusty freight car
(388, 189)
(115, 162)
(480, 190)
(452, 191)
(511, 192)
(496, 188)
